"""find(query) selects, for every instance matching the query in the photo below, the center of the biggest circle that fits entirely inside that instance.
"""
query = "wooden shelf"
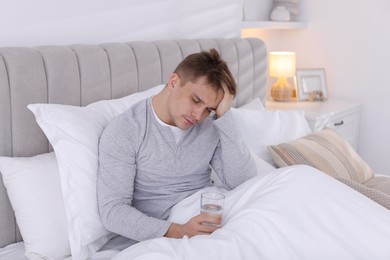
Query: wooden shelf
(273, 25)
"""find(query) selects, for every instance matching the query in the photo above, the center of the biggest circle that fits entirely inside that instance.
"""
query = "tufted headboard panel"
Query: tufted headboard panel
(81, 74)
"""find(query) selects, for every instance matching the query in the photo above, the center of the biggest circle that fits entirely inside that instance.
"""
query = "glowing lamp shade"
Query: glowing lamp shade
(281, 66)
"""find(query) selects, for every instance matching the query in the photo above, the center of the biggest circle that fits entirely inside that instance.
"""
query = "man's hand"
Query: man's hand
(194, 226)
(225, 103)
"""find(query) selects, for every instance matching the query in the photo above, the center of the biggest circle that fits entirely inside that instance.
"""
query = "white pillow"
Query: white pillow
(74, 133)
(33, 187)
(262, 166)
(262, 169)
(255, 104)
(260, 129)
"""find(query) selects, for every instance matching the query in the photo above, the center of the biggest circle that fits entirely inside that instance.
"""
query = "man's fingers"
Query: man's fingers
(225, 103)
(207, 228)
(209, 222)
(202, 224)
(207, 217)
(227, 92)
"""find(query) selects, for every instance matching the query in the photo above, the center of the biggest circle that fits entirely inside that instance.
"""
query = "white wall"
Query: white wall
(351, 40)
(43, 22)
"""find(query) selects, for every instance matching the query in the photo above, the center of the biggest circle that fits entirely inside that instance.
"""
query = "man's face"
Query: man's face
(191, 103)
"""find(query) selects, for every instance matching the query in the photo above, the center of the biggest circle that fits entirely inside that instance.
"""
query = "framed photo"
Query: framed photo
(311, 82)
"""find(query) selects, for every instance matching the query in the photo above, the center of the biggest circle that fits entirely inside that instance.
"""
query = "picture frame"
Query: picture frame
(311, 83)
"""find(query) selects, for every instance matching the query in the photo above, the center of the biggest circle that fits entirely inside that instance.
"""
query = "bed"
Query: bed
(67, 94)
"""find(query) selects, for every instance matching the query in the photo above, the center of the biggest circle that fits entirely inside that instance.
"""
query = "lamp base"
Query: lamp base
(281, 90)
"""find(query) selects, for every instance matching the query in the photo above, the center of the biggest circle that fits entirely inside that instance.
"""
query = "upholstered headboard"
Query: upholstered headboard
(82, 74)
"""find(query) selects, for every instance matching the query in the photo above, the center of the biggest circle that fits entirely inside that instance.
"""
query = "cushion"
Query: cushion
(74, 133)
(379, 182)
(374, 194)
(325, 150)
(33, 187)
(260, 128)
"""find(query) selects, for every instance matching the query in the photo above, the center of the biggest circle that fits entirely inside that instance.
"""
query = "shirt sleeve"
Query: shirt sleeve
(115, 185)
(232, 160)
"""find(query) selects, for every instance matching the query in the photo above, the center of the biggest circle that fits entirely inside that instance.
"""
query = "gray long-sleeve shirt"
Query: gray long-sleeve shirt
(143, 173)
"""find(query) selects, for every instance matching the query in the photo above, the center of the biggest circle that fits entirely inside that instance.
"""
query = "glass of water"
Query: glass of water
(211, 203)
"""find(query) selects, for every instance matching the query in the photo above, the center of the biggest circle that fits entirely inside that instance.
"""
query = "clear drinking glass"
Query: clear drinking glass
(212, 203)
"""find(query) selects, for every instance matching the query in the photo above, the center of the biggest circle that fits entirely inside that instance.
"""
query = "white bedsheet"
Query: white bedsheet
(13, 252)
(114, 246)
(292, 213)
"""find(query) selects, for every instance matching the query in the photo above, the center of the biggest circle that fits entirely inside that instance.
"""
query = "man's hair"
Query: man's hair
(210, 65)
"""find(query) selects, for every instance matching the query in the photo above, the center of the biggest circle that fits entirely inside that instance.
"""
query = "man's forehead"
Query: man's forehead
(210, 95)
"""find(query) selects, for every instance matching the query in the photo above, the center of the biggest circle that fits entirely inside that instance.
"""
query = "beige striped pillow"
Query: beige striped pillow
(376, 195)
(325, 150)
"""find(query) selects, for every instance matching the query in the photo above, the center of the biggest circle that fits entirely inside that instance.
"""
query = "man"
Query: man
(160, 151)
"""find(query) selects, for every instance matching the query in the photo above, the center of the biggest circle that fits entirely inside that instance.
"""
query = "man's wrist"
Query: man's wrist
(174, 231)
(218, 115)
(224, 115)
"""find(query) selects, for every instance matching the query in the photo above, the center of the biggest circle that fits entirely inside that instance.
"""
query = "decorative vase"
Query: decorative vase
(291, 5)
(281, 14)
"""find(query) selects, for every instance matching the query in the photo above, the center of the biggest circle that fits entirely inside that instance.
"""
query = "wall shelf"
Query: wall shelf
(273, 25)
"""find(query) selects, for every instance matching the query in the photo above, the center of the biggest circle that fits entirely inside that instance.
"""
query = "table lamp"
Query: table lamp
(281, 66)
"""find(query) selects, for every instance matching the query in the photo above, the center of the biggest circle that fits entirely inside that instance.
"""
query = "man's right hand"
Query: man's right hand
(225, 103)
(194, 226)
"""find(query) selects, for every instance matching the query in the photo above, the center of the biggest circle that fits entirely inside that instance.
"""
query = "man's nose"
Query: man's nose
(197, 113)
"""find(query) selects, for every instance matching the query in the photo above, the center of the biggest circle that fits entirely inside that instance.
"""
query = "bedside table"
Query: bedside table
(340, 114)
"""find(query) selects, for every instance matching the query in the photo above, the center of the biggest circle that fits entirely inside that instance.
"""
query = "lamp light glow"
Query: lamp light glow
(281, 66)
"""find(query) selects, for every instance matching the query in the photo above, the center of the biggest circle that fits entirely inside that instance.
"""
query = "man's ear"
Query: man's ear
(174, 81)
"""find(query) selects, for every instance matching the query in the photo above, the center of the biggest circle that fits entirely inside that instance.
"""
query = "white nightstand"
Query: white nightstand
(340, 114)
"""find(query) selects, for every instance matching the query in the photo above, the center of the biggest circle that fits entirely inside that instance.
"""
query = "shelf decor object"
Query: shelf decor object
(311, 84)
(257, 15)
(290, 5)
(281, 66)
(280, 14)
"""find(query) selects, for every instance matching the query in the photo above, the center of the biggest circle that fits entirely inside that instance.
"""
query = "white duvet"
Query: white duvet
(292, 213)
